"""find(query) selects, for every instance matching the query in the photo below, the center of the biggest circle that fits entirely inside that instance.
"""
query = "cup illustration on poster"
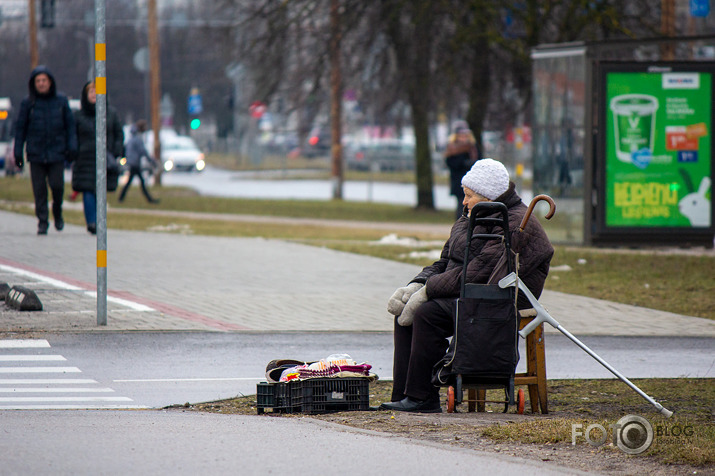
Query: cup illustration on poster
(634, 127)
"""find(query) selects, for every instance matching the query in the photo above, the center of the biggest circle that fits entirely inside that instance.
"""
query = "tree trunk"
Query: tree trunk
(479, 91)
(413, 49)
(423, 157)
(336, 102)
(418, 80)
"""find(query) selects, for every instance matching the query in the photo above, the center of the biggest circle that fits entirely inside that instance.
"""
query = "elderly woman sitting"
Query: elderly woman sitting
(424, 309)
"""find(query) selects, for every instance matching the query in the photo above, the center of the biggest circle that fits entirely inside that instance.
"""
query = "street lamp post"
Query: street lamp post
(34, 54)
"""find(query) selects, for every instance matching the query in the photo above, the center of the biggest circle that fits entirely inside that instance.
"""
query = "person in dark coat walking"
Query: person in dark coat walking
(136, 151)
(45, 129)
(424, 309)
(460, 155)
(84, 169)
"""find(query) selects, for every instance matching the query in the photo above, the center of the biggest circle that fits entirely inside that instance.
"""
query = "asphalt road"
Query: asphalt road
(157, 369)
(190, 443)
(226, 183)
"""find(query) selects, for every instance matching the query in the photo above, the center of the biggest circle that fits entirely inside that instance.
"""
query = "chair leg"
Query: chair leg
(481, 396)
(531, 369)
(534, 398)
(472, 399)
(540, 346)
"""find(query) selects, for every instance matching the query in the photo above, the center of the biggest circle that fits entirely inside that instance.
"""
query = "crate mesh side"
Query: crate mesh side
(330, 394)
(273, 395)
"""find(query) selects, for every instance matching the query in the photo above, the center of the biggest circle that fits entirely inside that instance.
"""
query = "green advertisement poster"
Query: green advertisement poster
(658, 149)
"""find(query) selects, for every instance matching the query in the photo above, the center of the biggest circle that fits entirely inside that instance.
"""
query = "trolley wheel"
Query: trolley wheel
(520, 402)
(450, 399)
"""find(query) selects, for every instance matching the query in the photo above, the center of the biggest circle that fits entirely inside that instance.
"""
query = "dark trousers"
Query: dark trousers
(419, 347)
(42, 174)
(135, 172)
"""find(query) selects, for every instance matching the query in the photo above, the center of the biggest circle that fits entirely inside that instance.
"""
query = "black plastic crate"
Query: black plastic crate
(273, 396)
(323, 395)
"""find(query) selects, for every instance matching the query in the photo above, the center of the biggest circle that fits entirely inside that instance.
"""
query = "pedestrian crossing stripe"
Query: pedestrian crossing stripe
(64, 399)
(23, 343)
(46, 381)
(73, 407)
(38, 370)
(55, 390)
(30, 358)
(26, 393)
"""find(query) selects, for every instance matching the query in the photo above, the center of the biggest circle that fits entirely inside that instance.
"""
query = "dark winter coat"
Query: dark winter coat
(459, 158)
(443, 278)
(45, 125)
(84, 169)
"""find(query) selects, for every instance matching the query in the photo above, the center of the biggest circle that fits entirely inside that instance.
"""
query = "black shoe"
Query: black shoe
(431, 405)
(42, 228)
(42, 231)
(92, 228)
(59, 224)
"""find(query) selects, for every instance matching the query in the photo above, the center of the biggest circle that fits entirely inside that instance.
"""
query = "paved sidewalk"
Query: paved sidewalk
(164, 281)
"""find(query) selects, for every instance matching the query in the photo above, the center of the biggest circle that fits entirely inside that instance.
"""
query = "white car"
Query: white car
(182, 153)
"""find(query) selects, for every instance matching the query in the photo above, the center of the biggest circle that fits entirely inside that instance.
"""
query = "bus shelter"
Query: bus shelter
(623, 140)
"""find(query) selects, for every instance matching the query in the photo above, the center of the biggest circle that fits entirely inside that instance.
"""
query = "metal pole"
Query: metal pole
(34, 55)
(100, 57)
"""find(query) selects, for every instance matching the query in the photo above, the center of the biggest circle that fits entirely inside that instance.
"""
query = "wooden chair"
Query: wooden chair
(535, 375)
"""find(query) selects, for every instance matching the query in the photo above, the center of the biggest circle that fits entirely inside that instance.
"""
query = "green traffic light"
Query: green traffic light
(195, 123)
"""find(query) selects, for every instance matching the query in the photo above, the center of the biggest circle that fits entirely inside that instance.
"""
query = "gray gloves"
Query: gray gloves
(400, 297)
(408, 313)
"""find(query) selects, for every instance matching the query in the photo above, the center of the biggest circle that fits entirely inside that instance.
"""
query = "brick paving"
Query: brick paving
(167, 281)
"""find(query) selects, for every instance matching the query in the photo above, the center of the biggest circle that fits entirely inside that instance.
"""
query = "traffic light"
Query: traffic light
(47, 14)
(195, 108)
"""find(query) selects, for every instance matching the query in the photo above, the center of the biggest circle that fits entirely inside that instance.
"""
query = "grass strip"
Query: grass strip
(686, 438)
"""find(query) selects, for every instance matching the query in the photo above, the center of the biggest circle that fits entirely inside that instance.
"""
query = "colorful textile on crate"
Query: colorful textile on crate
(336, 365)
(275, 368)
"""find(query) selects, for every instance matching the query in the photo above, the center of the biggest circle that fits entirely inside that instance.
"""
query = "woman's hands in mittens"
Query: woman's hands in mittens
(400, 297)
(408, 313)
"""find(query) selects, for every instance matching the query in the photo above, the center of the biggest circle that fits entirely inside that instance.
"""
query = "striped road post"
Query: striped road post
(100, 58)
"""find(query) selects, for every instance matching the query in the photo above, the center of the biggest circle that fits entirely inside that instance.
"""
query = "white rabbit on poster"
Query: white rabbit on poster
(695, 206)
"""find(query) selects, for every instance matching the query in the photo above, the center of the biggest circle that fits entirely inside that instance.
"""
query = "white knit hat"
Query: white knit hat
(487, 177)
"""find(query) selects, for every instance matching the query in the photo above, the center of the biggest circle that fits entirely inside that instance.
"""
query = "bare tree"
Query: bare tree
(408, 26)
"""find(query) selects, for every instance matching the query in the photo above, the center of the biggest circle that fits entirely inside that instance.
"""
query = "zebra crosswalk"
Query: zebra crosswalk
(27, 381)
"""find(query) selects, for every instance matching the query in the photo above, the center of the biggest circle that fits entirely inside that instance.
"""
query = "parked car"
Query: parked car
(182, 153)
(381, 156)
(317, 144)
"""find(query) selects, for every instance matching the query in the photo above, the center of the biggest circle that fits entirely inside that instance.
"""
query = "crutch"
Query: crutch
(543, 316)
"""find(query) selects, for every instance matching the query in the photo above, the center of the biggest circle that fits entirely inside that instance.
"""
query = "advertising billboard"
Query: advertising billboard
(656, 138)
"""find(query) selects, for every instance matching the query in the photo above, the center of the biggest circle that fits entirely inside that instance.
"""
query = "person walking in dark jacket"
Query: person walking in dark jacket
(136, 151)
(424, 309)
(460, 155)
(45, 130)
(84, 169)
